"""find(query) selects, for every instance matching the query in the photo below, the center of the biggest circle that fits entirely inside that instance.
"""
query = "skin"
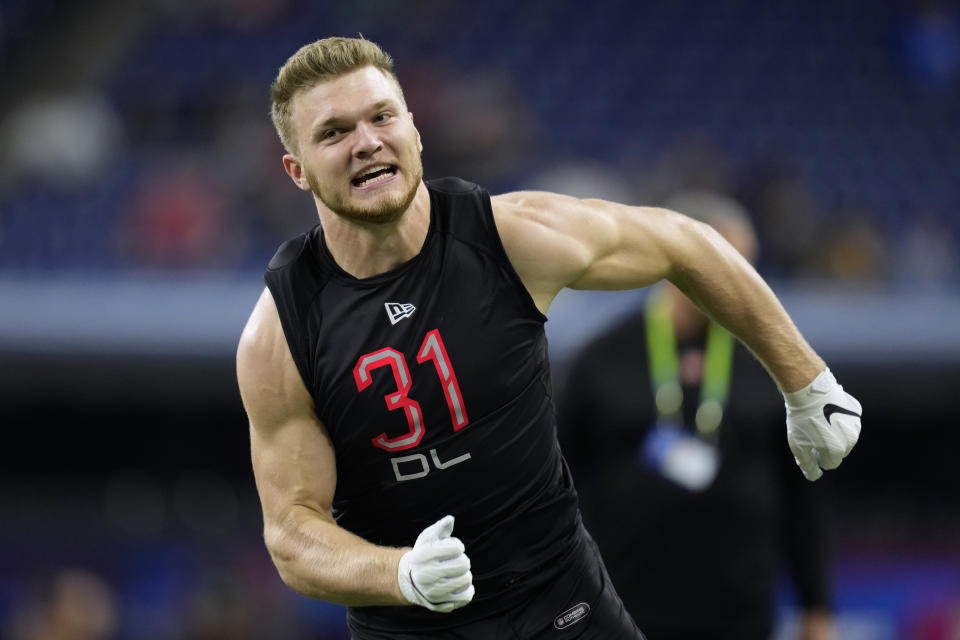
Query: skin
(357, 121)
(344, 126)
(688, 321)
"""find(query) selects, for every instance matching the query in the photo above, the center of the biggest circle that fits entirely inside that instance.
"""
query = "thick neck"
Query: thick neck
(365, 250)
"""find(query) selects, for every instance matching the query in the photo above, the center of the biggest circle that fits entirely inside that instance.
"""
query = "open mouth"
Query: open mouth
(374, 176)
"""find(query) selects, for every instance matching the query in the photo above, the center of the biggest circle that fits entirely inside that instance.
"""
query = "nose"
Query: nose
(366, 141)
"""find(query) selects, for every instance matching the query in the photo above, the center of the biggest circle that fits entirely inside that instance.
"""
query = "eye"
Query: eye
(328, 135)
(381, 117)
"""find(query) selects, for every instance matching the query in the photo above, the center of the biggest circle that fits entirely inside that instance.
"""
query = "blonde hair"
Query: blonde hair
(318, 62)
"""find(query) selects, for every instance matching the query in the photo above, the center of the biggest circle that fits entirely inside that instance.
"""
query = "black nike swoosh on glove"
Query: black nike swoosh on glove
(830, 409)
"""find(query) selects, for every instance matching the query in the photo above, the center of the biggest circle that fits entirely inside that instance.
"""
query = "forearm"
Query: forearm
(319, 559)
(724, 286)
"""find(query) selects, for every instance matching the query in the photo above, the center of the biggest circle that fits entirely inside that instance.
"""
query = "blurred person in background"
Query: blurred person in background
(477, 123)
(431, 297)
(669, 428)
(72, 604)
(927, 254)
(786, 213)
(856, 251)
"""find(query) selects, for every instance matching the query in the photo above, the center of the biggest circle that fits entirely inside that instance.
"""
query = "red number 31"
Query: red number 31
(431, 349)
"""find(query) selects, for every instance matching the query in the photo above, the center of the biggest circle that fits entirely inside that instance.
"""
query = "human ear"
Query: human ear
(419, 141)
(294, 169)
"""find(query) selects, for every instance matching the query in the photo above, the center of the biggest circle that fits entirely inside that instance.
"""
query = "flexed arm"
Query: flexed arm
(295, 470)
(556, 241)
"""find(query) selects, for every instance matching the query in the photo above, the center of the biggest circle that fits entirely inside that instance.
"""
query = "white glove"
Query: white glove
(823, 424)
(436, 573)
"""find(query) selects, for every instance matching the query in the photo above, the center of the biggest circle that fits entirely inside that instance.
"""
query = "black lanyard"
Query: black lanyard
(664, 367)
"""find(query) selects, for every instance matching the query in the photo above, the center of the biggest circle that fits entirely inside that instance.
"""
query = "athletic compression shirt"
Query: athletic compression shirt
(433, 382)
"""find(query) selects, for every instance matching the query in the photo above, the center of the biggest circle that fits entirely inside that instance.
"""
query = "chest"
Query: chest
(410, 361)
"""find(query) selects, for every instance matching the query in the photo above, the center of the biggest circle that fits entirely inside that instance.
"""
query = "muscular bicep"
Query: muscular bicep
(295, 471)
(556, 241)
(292, 455)
(640, 246)
(293, 465)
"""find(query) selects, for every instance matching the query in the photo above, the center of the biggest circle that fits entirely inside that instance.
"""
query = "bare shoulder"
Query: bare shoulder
(259, 350)
(263, 323)
(545, 209)
(557, 241)
(540, 233)
(291, 450)
(561, 212)
(270, 384)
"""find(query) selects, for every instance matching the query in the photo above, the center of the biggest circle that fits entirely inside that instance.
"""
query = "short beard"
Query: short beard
(383, 212)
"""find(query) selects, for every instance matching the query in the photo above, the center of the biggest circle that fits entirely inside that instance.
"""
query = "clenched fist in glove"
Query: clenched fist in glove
(823, 424)
(436, 573)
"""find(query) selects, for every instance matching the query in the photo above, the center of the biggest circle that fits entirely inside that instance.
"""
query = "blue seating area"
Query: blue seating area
(824, 87)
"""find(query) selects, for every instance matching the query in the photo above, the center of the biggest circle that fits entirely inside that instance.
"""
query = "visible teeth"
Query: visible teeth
(368, 176)
(373, 170)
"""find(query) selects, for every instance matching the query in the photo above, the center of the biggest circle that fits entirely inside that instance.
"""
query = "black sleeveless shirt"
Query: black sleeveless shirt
(433, 382)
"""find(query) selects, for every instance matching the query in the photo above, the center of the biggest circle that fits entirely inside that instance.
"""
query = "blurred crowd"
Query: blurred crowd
(831, 124)
(143, 556)
(237, 600)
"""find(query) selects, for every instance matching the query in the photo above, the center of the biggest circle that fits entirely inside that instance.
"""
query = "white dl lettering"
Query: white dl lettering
(418, 466)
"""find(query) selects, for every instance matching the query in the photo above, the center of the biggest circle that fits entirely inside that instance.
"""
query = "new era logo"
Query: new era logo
(397, 311)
